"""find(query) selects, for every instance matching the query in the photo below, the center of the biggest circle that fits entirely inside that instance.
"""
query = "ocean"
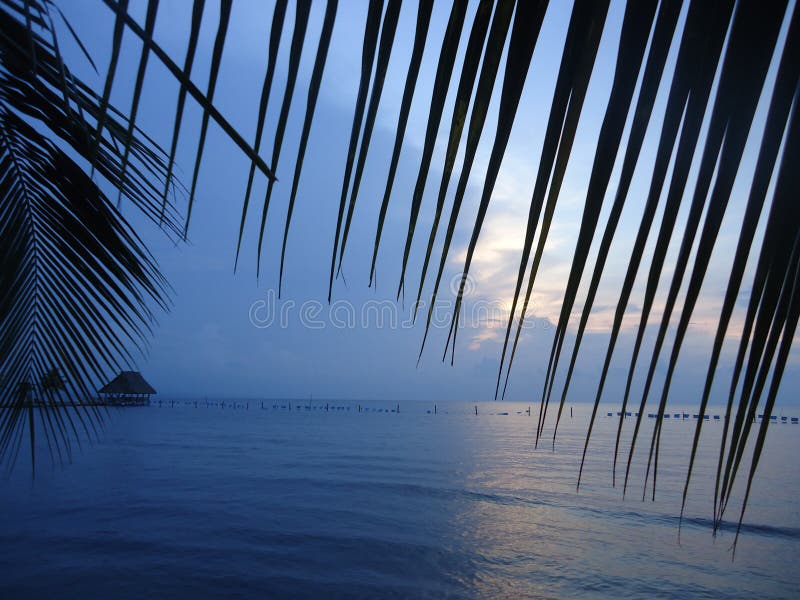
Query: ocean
(190, 499)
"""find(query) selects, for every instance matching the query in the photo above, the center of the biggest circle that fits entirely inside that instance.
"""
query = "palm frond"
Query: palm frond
(78, 285)
(298, 36)
(388, 30)
(367, 58)
(636, 27)
(580, 49)
(276, 30)
(311, 103)
(444, 72)
(184, 79)
(216, 60)
(472, 57)
(753, 36)
(663, 32)
(420, 36)
(495, 43)
(191, 49)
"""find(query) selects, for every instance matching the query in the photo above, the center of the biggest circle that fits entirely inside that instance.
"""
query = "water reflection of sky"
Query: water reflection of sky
(531, 535)
(211, 501)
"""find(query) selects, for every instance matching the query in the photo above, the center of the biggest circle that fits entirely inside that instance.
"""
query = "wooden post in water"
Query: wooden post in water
(476, 410)
(434, 409)
(398, 408)
(570, 412)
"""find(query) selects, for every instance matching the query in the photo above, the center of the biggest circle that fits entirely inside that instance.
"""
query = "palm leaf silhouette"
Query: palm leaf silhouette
(635, 29)
(311, 103)
(420, 36)
(77, 281)
(444, 72)
(298, 37)
(276, 30)
(388, 30)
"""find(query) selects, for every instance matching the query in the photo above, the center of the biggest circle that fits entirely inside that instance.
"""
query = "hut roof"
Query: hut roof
(128, 382)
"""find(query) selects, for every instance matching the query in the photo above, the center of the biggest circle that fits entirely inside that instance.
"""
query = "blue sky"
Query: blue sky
(209, 343)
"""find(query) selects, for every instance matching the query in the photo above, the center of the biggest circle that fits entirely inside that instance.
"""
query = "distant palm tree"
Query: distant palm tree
(77, 275)
(51, 385)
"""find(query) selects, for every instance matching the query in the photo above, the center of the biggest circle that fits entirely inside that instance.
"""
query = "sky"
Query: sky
(228, 335)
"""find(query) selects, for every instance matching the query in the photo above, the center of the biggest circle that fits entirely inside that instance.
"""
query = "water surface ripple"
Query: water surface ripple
(210, 502)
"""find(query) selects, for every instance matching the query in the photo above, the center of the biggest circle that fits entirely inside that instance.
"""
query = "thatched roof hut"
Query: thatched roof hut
(129, 387)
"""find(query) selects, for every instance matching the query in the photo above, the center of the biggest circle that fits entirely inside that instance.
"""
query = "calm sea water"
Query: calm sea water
(211, 502)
